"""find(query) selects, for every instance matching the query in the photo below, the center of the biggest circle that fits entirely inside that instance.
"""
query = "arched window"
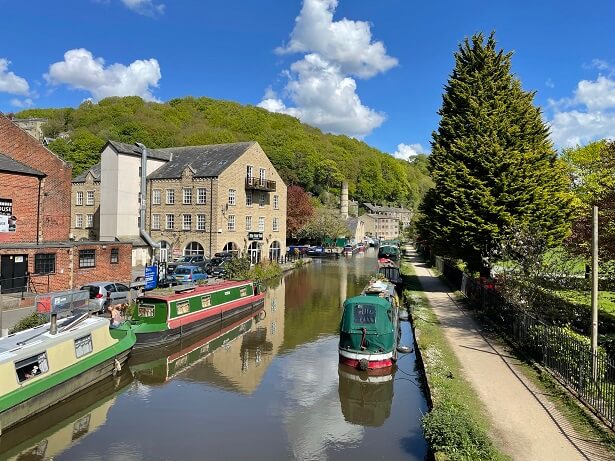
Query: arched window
(231, 246)
(274, 251)
(254, 252)
(194, 249)
(165, 251)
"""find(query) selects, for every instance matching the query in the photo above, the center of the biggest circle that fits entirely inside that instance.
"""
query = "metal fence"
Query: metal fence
(565, 354)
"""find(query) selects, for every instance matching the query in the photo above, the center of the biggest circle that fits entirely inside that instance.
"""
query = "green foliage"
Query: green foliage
(33, 320)
(492, 163)
(238, 268)
(265, 270)
(303, 155)
(325, 224)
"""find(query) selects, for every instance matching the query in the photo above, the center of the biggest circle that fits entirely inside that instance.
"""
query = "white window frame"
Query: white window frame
(201, 197)
(249, 197)
(261, 224)
(232, 195)
(171, 221)
(89, 220)
(262, 175)
(187, 196)
(156, 221)
(230, 225)
(89, 197)
(275, 224)
(261, 200)
(248, 223)
(170, 196)
(83, 346)
(78, 221)
(187, 222)
(249, 171)
(201, 222)
(79, 198)
(156, 196)
(276, 202)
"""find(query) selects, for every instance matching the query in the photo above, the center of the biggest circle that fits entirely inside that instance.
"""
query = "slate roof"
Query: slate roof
(131, 149)
(385, 209)
(95, 170)
(13, 166)
(204, 161)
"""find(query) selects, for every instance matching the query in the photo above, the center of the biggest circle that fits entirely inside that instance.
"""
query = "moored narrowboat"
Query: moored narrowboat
(390, 270)
(389, 252)
(47, 364)
(369, 329)
(163, 316)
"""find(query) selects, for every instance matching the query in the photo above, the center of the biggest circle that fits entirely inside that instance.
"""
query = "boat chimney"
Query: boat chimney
(53, 328)
(344, 200)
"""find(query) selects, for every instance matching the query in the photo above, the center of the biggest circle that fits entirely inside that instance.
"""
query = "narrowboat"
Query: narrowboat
(349, 250)
(369, 329)
(47, 364)
(389, 270)
(389, 252)
(163, 316)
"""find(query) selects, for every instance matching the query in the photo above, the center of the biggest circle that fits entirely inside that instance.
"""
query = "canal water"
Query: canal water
(265, 387)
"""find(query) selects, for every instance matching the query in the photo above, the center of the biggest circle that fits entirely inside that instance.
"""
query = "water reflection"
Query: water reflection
(365, 400)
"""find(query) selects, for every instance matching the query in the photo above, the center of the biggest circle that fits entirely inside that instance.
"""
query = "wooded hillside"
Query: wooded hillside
(302, 154)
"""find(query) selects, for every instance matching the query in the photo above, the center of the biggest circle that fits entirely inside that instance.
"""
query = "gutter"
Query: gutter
(142, 232)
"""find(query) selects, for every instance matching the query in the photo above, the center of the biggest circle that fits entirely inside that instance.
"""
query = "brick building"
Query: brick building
(35, 197)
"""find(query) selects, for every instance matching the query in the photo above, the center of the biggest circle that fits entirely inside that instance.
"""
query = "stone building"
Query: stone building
(85, 205)
(403, 215)
(32, 126)
(383, 227)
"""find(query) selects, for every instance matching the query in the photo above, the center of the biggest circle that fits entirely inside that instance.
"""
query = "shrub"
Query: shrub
(238, 268)
(33, 320)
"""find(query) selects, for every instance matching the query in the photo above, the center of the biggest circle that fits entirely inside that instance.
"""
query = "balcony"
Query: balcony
(260, 184)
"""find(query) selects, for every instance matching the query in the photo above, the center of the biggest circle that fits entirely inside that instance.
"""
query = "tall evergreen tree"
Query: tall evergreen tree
(493, 165)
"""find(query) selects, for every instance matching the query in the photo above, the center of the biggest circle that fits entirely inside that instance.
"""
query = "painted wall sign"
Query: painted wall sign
(255, 236)
(8, 221)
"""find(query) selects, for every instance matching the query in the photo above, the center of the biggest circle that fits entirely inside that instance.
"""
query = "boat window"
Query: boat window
(31, 367)
(83, 346)
(364, 313)
(243, 291)
(183, 307)
(146, 310)
(206, 301)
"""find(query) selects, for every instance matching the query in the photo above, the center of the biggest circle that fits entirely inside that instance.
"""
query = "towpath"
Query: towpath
(524, 423)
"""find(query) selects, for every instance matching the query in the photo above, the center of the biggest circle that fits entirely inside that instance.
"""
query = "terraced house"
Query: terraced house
(198, 200)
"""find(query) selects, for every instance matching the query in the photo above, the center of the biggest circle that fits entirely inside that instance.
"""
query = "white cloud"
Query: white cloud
(81, 70)
(345, 43)
(22, 103)
(11, 83)
(549, 83)
(408, 151)
(145, 7)
(588, 115)
(325, 98)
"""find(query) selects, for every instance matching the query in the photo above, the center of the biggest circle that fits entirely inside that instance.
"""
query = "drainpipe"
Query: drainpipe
(142, 232)
(211, 212)
(38, 212)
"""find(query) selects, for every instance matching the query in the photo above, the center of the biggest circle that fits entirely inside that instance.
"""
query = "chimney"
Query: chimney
(344, 200)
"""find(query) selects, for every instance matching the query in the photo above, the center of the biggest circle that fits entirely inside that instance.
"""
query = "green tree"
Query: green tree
(492, 163)
(325, 224)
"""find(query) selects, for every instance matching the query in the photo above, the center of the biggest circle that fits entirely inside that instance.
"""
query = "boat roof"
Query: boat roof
(365, 299)
(201, 290)
(35, 340)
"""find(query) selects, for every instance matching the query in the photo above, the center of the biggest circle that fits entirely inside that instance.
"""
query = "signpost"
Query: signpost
(151, 277)
(258, 236)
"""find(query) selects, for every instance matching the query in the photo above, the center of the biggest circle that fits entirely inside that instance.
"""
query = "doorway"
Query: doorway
(13, 273)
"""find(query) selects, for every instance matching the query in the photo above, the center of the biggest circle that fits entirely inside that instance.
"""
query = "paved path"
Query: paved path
(524, 424)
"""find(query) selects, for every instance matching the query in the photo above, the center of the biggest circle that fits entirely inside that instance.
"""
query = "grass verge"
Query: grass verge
(456, 426)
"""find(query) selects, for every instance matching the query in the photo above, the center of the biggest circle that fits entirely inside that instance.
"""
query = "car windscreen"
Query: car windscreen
(182, 271)
(92, 289)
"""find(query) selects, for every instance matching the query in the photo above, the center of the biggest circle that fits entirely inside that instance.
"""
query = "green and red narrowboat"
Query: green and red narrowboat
(163, 316)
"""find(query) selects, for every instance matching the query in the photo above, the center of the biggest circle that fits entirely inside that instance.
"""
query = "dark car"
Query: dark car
(225, 255)
(219, 270)
(214, 262)
(195, 260)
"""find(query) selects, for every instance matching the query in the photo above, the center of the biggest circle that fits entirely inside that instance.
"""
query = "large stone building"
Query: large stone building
(33, 126)
(199, 200)
(403, 215)
(85, 205)
(382, 227)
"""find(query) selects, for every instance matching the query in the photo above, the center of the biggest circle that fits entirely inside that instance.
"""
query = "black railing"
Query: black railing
(565, 354)
(289, 258)
(260, 184)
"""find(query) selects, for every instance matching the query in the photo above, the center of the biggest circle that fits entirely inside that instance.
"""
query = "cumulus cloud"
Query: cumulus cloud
(586, 116)
(22, 103)
(320, 89)
(408, 151)
(325, 98)
(345, 43)
(145, 7)
(11, 83)
(81, 70)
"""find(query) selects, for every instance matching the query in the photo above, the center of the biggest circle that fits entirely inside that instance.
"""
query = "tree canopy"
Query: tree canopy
(302, 154)
(492, 163)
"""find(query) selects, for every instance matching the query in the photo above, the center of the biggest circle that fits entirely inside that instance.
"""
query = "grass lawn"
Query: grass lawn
(606, 299)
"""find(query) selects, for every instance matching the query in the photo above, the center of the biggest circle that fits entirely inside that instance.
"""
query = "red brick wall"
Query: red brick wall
(55, 203)
(23, 191)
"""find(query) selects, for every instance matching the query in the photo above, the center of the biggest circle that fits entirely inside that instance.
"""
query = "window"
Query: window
(79, 197)
(187, 222)
(249, 198)
(79, 221)
(231, 223)
(115, 255)
(87, 258)
(156, 221)
(187, 196)
(170, 196)
(200, 222)
(276, 202)
(89, 222)
(274, 251)
(206, 301)
(364, 314)
(262, 175)
(254, 252)
(90, 198)
(261, 224)
(194, 249)
(261, 199)
(248, 223)
(170, 221)
(201, 197)
(231, 196)
(44, 263)
(32, 366)
(83, 346)
(276, 224)
(183, 307)
(249, 171)
(156, 197)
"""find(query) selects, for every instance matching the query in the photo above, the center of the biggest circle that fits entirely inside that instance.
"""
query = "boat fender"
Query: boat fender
(405, 349)
(117, 366)
(363, 364)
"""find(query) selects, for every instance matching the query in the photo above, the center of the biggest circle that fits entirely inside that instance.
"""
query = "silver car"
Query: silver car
(105, 294)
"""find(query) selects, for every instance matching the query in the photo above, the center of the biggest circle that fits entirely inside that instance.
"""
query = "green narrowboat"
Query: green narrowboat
(390, 252)
(163, 316)
(47, 364)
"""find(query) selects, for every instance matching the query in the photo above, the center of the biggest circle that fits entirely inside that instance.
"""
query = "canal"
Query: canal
(265, 387)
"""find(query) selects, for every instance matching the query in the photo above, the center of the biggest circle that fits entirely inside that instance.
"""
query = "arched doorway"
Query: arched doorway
(274, 251)
(231, 246)
(165, 251)
(254, 252)
(194, 249)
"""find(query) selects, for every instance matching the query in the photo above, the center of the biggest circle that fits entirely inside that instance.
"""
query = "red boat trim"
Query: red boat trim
(371, 364)
(202, 290)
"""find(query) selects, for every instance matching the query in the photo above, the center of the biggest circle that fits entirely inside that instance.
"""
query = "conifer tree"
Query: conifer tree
(492, 163)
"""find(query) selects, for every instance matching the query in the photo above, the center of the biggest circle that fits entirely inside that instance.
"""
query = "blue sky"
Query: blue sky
(373, 69)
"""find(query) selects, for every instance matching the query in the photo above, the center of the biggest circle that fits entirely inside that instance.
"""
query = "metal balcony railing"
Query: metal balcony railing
(260, 184)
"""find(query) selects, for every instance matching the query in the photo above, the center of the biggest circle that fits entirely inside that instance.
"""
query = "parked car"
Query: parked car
(225, 255)
(189, 274)
(164, 281)
(105, 294)
(198, 260)
(219, 270)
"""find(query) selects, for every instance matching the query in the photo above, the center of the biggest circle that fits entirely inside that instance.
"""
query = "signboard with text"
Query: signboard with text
(255, 236)
(151, 277)
(8, 221)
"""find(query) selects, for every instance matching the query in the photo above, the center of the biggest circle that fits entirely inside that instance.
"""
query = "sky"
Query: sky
(371, 69)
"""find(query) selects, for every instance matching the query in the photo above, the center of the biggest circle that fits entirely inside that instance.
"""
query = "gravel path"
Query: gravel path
(524, 423)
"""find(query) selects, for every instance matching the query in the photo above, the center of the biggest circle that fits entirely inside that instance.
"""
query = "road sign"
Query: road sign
(151, 277)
